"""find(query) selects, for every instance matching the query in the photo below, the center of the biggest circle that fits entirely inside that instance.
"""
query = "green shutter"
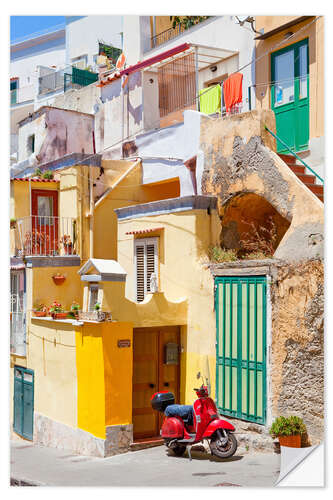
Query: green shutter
(23, 402)
(241, 347)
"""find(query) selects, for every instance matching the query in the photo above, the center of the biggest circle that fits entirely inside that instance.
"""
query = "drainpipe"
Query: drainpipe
(197, 79)
(92, 205)
(91, 216)
(122, 115)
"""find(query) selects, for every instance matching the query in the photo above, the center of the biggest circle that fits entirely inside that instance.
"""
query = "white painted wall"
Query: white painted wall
(82, 35)
(222, 32)
(25, 61)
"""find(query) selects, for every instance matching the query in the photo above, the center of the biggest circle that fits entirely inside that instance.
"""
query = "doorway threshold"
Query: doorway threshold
(143, 443)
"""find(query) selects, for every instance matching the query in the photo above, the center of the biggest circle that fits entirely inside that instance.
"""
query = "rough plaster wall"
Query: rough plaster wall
(239, 158)
(298, 344)
(65, 133)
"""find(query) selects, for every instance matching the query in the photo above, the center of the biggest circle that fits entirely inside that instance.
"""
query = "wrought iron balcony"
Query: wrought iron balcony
(37, 235)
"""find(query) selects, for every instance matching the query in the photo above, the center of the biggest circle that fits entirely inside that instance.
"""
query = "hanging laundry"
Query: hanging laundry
(232, 89)
(210, 100)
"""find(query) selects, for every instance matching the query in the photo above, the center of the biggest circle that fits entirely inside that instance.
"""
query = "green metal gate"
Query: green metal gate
(23, 401)
(240, 305)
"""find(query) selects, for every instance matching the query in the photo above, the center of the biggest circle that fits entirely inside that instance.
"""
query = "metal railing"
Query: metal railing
(51, 82)
(46, 236)
(167, 35)
(17, 333)
(295, 154)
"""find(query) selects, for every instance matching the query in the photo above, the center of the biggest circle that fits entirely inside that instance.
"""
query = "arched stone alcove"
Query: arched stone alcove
(248, 214)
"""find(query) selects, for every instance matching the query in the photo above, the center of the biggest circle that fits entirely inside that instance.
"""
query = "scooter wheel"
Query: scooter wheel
(223, 450)
(178, 450)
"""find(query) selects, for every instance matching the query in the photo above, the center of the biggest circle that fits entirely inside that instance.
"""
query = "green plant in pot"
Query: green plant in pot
(74, 312)
(97, 306)
(289, 430)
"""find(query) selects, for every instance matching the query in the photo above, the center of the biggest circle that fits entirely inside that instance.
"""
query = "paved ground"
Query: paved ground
(150, 467)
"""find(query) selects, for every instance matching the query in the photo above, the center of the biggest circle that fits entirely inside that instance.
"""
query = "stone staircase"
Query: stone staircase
(308, 180)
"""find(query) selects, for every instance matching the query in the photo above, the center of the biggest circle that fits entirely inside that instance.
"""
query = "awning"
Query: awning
(144, 231)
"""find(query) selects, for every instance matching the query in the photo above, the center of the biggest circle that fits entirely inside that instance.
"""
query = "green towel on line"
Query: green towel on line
(210, 100)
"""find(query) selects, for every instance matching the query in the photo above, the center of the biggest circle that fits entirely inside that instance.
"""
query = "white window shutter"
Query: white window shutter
(146, 263)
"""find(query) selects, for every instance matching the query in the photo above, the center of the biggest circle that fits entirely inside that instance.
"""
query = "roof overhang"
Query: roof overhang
(270, 33)
(104, 270)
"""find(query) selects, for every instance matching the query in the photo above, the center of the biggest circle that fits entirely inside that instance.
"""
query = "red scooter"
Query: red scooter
(180, 433)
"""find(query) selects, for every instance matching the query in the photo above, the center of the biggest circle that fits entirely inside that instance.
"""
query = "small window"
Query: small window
(146, 263)
(31, 144)
(93, 297)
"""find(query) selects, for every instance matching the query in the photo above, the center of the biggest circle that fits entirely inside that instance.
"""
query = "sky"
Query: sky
(25, 25)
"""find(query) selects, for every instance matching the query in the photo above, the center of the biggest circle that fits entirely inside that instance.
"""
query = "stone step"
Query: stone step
(142, 444)
(306, 178)
(316, 188)
(289, 159)
(297, 169)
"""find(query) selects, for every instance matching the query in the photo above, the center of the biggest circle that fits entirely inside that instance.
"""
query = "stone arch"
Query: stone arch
(246, 213)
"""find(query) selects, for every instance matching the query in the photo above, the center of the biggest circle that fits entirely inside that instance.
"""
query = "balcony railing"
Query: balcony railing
(167, 35)
(46, 236)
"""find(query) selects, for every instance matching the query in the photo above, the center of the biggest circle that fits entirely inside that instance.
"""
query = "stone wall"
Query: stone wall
(240, 159)
(297, 294)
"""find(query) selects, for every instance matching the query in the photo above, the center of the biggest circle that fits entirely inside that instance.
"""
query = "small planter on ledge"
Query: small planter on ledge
(59, 315)
(289, 430)
(58, 278)
(40, 311)
(94, 316)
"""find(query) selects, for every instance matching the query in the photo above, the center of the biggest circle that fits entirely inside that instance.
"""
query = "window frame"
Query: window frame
(144, 242)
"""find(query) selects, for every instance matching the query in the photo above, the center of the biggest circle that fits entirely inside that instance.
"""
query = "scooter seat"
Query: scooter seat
(185, 412)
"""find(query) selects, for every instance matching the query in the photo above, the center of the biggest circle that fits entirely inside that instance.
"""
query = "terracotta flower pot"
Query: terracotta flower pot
(290, 441)
(62, 315)
(40, 314)
(58, 280)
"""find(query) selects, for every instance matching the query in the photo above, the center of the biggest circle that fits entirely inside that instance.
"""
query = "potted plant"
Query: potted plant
(12, 223)
(97, 306)
(40, 311)
(58, 278)
(67, 243)
(288, 430)
(74, 312)
(56, 311)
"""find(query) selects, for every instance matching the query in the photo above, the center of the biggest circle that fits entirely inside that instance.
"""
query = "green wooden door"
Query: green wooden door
(240, 305)
(290, 95)
(23, 402)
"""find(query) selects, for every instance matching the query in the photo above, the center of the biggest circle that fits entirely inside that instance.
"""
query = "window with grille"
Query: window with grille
(146, 263)
(93, 297)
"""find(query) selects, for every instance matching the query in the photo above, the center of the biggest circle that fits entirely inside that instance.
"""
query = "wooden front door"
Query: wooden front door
(290, 96)
(154, 369)
(44, 222)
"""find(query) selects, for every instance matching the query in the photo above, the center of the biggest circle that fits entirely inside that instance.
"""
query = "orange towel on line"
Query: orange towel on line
(232, 90)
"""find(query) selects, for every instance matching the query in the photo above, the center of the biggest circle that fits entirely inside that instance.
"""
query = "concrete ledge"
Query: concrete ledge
(170, 205)
(56, 261)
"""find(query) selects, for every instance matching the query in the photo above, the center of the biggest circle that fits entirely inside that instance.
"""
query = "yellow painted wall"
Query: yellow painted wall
(315, 34)
(21, 196)
(186, 290)
(53, 362)
(45, 291)
(129, 192)
(104, 374)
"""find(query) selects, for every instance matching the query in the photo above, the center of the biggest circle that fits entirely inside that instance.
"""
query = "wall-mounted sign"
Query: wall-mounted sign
(171, 353)
(124, 343)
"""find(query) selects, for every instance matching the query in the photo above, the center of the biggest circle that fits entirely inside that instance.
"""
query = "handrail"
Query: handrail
(295, 154)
